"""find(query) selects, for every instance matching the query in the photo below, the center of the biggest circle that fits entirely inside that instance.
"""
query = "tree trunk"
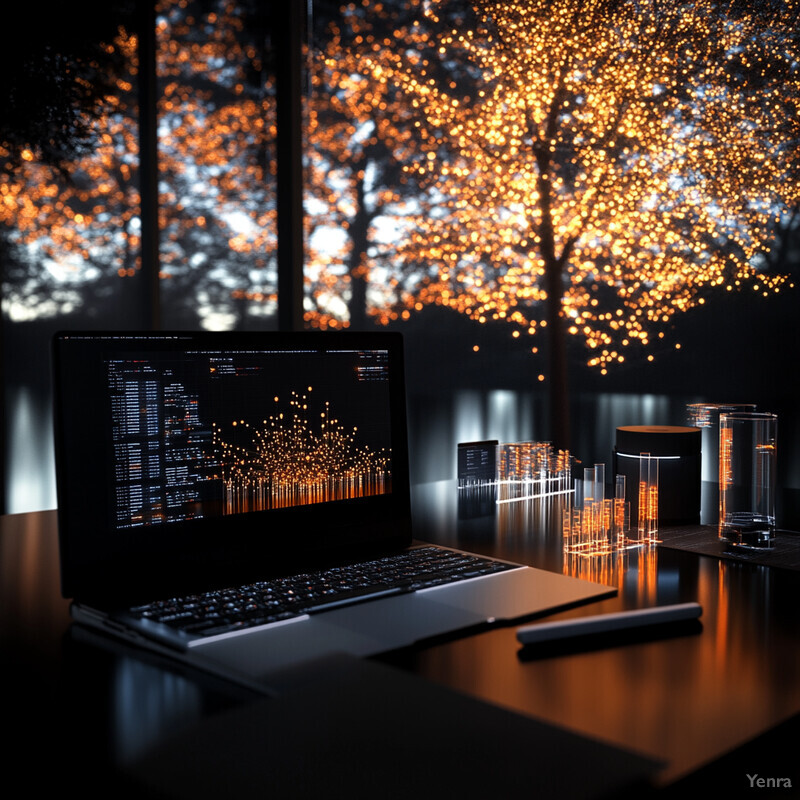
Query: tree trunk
(558, 382)
(557, 360)
(359, 234)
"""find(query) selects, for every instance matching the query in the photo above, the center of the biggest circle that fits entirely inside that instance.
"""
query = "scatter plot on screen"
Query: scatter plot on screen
(211, 433)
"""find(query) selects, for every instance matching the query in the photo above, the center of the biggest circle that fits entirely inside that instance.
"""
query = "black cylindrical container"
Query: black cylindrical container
(679, 469)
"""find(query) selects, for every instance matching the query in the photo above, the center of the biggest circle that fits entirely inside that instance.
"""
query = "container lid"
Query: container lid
(659, 440)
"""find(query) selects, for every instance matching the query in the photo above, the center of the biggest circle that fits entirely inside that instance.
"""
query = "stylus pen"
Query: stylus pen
(606, 623)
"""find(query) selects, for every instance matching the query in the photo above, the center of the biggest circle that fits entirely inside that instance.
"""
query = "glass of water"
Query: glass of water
(747, 465)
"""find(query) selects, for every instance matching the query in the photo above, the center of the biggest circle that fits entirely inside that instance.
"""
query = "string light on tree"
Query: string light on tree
(621, 162)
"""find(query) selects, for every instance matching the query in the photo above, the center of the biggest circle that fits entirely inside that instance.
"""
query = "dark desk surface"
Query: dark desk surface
(687, 700)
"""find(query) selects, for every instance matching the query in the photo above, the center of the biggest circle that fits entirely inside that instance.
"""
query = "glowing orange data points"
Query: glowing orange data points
(290, 464)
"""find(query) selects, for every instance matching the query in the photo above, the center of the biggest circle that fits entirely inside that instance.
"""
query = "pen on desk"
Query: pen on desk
(607, 623)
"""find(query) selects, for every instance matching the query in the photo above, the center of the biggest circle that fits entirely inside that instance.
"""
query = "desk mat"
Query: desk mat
(363, 730)
(703, 540)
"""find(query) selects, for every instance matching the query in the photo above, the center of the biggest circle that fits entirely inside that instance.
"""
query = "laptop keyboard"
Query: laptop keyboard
(261, 603)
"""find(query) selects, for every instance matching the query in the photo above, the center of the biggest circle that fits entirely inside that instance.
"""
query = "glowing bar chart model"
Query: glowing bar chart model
(648, 499)
(593, 524)
(527, 470)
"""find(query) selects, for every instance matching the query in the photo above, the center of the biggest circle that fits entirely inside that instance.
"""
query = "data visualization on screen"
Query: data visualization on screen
(207, 433)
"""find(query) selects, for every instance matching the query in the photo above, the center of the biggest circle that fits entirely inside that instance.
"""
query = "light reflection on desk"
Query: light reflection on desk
(528, 530)
(140, 700)
(689, 698)
(686, 700)
(147, 705)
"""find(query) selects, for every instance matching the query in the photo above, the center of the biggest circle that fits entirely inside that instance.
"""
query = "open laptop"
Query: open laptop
(197, 463)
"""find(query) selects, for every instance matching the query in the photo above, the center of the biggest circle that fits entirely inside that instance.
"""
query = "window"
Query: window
(160, 208)
(572, 210)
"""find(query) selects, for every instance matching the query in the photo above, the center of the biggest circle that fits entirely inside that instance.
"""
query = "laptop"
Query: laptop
(198, 471)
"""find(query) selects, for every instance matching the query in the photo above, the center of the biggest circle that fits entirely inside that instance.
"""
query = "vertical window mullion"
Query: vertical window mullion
(289, 147)
(148, 166)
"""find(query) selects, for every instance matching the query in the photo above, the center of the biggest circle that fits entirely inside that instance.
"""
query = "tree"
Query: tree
(361, 194)
(75, 224)
(55, 77)
(79, 216)
(218, 212)
(621, 160)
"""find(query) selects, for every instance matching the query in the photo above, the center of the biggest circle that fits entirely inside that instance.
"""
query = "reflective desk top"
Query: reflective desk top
(685, 700)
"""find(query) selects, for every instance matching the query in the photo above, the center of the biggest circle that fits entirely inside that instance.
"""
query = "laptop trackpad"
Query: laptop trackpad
(400, 621)
(519, 593)
(361, 630)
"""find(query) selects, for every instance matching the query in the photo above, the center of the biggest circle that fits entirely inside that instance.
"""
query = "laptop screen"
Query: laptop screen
(183, 456)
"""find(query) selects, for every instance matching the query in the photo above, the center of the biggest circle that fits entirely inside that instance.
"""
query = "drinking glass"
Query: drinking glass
(747, 461)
